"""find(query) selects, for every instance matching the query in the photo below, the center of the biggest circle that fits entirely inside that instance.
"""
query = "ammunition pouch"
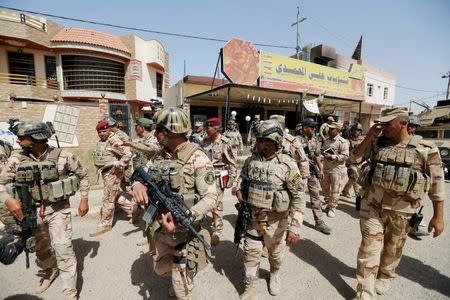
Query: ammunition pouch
(197, 255)
(101, 159)
(420, 184)
(25, 172)
(280, 201)
(62, 189)
(260, 194)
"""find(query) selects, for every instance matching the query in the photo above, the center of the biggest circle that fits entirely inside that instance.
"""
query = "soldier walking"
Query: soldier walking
(194, 180)
(353, 168)
(270, 182)
(219, 151)
(403, 169)
(324, 129)
(57, 168)
(335, 153)
(312, 149)
(199, 133)
(111, 157)
(235, 137)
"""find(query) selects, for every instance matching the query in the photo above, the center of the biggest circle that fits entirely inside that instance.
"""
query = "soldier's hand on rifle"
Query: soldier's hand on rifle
(15, 207)
(83, 208)
(292, 238)
(167, 222)
(140, 194)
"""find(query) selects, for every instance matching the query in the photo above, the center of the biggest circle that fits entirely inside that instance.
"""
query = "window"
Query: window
(93, 74)
(369, 89)
(121, 113)
(50, 68)
(354, 118)
(428, 134)
(159, 85)
(339, 114)
(446, 134)
(65, 123)
(385, 93)
(22, 65)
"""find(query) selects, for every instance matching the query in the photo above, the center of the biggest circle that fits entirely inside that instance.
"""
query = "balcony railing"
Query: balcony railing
(29, 80)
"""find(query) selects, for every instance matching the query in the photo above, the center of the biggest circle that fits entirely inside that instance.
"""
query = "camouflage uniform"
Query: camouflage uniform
(235, 140)
(294, 149)
(5, 153)
(199, 192)
(323, 131)
(271, 215)
(222, 156)
(107, 153)
(54, 232)
(401, 175)
(198, 137)
(143, 149)
(334, 170)
(353, 169)
(313, 181)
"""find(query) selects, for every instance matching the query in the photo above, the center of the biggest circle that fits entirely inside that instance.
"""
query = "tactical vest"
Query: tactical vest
(102, 156)
(399, 171)
(139, 158)
(173, 172)
(262, 192)
(45, 173)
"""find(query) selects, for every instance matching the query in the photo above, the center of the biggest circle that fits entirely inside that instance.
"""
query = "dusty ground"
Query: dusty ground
(318, 267)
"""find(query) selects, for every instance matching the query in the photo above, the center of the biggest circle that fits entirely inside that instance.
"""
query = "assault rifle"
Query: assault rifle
(244, 214)
(163, 198)
(314, 168)
(28, 223)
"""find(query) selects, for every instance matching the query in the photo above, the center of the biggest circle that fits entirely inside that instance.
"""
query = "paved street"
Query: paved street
(111, 266)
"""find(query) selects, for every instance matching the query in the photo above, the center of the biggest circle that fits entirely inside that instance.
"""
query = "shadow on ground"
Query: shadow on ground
(23, 297)
(82, 249)
(329, 266)
(151, 286)
(425, 275)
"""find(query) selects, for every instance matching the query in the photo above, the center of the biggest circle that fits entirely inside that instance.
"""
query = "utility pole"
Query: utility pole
(448, 85)
(297, 48)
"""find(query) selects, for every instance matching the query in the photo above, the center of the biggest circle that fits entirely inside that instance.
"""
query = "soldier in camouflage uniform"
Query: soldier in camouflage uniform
(353, 169)
(403, 169)
(174, 252)
(312, 149)
(111, 157)
(324, 128)
(61, 173)
(199, 134)
(271, 184)
(220, 152)
(335, 153)
(112, 123)
(235, 137)
(146, 145)
(253, 131)
(5, 153)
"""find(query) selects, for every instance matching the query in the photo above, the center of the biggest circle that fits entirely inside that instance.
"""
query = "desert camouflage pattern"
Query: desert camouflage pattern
(54, 232)
(293, 148)
(269, 225)
(198, 137)
(173, 119)
(112, 179)
(385, 215)
(170, 255)
(236, 140)
(143, 149)
(334, 170)
(221, 154)
(353, 168)
(323, 131)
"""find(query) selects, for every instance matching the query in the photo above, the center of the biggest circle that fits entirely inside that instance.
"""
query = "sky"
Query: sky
(410, 38)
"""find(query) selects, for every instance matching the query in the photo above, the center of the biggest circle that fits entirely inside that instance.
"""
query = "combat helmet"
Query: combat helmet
(111, 121)
(280, 119)
(271, 130)
(37, 130)
(173, 119)
(414, 120)
(356, 126)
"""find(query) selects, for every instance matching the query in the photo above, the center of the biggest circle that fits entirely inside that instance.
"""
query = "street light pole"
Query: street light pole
(448, 84)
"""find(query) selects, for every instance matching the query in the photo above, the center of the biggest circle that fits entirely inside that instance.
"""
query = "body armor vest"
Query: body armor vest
(102, 156)
(400, 171)
(173, 171)
(45, 173)
(263, 192)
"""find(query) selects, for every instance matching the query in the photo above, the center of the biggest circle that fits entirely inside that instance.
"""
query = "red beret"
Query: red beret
(102, 125)
(214, 122)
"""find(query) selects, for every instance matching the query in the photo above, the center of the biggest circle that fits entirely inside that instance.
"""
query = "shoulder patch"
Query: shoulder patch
(428, 144)
(210, 177)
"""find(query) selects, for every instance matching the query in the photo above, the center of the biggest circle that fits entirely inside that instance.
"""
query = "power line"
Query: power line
(422, 99)
(198, 37)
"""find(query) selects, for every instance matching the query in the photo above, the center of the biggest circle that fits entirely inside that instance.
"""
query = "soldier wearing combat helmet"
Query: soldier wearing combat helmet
(271, 184)
(192, 175)
(353, 169)
(61, 173)
(403, 169)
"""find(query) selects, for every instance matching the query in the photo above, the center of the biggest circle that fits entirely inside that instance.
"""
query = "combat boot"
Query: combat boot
(274, 283)
(382, 285)
(251, 289)
(100, 230)
(331, 213)
(48, 276)
(322, 227)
